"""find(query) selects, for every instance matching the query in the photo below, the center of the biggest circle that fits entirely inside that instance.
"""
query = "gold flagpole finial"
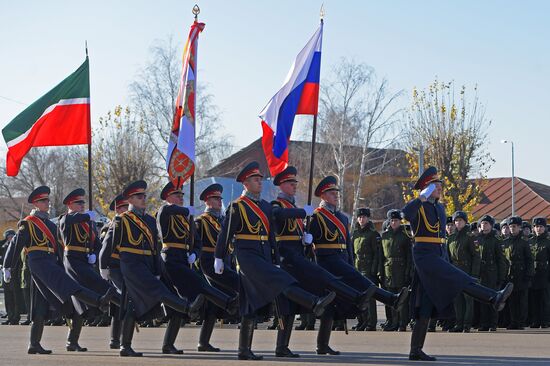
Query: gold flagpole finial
(322, 12)
(196, 11)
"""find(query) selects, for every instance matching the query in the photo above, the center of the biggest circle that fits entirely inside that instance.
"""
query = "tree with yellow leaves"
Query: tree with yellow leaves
(453, 131)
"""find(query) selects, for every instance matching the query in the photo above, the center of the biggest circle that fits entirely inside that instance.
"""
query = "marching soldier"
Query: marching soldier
(366, 245)
(109, 268)
(464, 254)
(493, 270)
(51, 285)
(291, 239)
(79, 236)
(178, 255)
(330, 231)
(249, 222)
(437, 282)
(396, 266)
(208, 227)
(136, 237)
(521, 272)
(538, 293)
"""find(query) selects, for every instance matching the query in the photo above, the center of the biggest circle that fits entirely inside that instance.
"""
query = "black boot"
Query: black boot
(488, 296)
(283, 338)
(221, 300)
(205, 334)
(307, 300)
(323, 337)
(37, 328)
(245, 340)
(128, 326)
(361, 299)
(417, 341)
(74, 335)
(183, 306)
(116, 325)
(395, 301)
(170, 336)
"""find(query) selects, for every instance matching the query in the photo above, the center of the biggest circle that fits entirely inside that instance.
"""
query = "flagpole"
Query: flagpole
(90, 194)
(196, 10)
(313, 138)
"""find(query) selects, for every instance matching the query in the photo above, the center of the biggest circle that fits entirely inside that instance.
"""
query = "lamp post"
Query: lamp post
(513, 195)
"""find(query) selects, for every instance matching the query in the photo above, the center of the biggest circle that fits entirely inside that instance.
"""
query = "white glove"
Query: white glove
(191, 258)
(427, 192)
(92, 258)
(7, 275)
(157, 277)
(218, 265)
(93, 215)
(191, 209)
(307, 239)
(308, 209)
(104, 273)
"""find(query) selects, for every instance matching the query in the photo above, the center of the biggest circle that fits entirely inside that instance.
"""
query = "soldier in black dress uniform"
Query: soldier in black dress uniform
(51, 285)
(80, 238)
(291, 239)
(437, 282)
(135, 235)
(330, 230)
(178, 254)
(208, 226)
(249, 223)
(109, 268)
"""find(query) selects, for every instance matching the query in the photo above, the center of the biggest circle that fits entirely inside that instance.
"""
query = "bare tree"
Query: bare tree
(153, 95)
(454, 134)
(122, 153)
(60, 168)
(357, 119)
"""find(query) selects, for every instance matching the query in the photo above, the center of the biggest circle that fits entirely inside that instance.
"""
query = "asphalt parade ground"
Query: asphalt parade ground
(528, 347)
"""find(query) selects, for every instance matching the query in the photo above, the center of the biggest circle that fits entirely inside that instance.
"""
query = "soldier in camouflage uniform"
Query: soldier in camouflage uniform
(493, 269)
(538, 293)
(396, 266)
(504, 229)
(526, 230)
(464, 253)
(521, 272)
(366, 242)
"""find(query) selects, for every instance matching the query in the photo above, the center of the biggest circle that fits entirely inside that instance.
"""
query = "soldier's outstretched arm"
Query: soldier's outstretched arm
(283, 213)
(176, 210)
(76, 218)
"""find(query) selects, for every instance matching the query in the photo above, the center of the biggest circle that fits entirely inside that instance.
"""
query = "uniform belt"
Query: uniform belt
(429, 239)
(77, 249)
(135, 251)
(288, 238)
(42, 249)
(115, 256)
(176, 245)
(208, 249)
(330, 246)
(252, 237)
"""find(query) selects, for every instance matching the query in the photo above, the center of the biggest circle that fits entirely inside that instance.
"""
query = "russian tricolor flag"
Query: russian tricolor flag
(299, 95)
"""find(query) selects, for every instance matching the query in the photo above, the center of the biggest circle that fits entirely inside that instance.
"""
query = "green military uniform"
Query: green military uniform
(521, 273)
(366, 242)
(464, 253)
(396, 270)
(538, 293)
(492, 274)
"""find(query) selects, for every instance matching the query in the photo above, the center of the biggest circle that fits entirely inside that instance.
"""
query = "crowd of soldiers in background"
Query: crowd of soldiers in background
(494, 253)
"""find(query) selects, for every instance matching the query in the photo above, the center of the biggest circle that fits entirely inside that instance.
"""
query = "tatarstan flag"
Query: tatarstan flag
(61, 117)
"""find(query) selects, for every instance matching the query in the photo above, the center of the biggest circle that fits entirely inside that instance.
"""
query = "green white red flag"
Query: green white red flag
(61, 117)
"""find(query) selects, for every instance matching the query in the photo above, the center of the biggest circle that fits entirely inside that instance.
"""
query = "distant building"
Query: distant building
(532, 199)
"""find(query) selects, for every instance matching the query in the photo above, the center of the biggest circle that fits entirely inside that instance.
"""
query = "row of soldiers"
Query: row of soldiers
(490, 252)
(299, 259)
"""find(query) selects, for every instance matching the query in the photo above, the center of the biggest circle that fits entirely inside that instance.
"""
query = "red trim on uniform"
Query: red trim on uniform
(251, 173)
(257, 210)
(40, 197)
(287, 204)
(44, 228)
(335, 220)
(213, 194)
(135, 191)
(73, 199)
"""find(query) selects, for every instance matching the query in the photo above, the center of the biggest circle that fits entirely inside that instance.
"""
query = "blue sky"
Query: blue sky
(247, 48)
